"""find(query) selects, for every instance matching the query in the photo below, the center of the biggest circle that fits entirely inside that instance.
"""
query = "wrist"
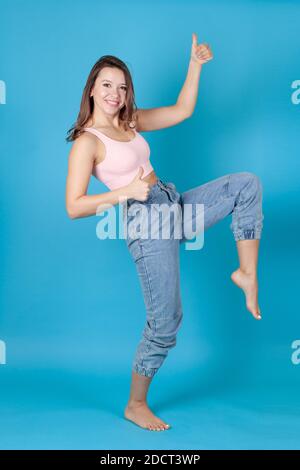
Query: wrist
(195, 63)
(125, 191)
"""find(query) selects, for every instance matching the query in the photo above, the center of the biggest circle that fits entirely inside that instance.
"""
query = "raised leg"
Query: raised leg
(239, 194)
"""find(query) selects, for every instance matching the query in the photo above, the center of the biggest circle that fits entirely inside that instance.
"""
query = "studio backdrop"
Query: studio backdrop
(72, 311)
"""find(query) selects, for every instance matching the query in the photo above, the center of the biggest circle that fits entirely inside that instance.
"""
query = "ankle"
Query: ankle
(248, 272)
(133, 403)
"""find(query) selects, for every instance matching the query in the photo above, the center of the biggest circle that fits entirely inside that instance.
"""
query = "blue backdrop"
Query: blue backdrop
(72, 311)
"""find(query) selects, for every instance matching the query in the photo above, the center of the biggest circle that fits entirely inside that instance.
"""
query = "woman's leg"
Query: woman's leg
(157, 263)
(239, 194)
(245, 276)
(137, 409)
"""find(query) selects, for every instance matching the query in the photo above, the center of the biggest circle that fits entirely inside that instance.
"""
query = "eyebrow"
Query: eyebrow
(106, 80)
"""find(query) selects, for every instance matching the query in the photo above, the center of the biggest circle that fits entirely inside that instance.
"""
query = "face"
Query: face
(109, 90)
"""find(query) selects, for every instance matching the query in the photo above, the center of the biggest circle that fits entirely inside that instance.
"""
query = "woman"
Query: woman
(107, 144)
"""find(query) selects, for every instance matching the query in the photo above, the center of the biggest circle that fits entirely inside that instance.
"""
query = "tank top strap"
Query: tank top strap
(96, 133)
(108, 139)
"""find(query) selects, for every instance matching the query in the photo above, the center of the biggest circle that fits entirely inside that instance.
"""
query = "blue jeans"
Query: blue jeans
(157, 259)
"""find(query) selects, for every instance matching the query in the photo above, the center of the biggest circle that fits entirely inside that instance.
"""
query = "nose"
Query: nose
(114, 98)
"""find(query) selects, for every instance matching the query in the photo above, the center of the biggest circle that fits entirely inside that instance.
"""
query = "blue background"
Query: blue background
(72, 311)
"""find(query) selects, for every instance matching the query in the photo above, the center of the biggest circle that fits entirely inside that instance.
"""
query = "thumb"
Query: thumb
(139, 173)
(194, 35)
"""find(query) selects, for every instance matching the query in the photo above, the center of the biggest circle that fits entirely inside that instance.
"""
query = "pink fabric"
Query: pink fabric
(122, 159)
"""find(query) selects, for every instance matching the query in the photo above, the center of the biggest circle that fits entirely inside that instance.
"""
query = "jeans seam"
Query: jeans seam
(146, 271)
(151, 301)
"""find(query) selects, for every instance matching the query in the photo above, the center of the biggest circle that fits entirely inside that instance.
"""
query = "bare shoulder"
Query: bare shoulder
(89, 148)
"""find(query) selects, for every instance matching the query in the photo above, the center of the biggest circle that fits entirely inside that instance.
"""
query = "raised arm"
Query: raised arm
(200, 54)
(167, 116)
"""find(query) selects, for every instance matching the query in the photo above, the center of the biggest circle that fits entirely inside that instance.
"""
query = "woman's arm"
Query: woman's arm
(166, 116)
(188, 95)
(80, 165)
(200, 54)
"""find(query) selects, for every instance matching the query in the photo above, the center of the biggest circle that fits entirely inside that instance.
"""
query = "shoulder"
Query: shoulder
(90, 145)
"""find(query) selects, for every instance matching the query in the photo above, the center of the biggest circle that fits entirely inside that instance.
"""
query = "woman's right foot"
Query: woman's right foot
(248, 283)
(140, 414)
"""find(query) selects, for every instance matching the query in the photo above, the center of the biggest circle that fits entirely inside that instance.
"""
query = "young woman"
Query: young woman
(108, 144)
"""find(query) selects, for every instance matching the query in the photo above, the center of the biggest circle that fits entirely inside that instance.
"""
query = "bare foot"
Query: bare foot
(248, 282)
(140, 414)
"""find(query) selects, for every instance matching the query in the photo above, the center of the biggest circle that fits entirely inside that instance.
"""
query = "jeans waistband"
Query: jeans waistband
(159, 185)
(162, 185)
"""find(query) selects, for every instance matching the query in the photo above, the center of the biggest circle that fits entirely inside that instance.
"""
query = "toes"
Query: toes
(164, 426)
(255, 313)
(259, 314)
(157, 426)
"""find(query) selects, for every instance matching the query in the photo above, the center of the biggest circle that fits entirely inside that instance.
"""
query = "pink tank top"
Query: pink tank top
(122, 159)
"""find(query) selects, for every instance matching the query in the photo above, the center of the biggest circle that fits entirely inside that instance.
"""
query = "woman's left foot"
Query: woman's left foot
(248, 282)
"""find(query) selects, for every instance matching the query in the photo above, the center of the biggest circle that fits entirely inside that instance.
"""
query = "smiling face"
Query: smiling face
(109, 91)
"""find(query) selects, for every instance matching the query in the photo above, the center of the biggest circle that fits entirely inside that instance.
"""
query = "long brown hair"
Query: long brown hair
(87, 102)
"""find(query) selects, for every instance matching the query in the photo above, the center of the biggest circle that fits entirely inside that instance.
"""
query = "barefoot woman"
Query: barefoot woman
(108, 144)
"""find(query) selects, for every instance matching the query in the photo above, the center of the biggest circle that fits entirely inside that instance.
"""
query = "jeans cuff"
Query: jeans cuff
(247, 234)
(143, 371)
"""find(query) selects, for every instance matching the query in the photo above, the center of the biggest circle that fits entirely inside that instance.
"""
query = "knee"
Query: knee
(166, 329)
(254, 184)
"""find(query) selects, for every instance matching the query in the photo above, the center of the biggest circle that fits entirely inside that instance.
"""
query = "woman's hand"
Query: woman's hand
(138, 189)
(200, 53)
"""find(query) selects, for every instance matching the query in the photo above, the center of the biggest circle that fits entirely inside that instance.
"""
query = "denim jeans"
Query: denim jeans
(157, 258)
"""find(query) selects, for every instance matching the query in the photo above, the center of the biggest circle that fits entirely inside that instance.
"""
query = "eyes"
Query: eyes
(123, 86)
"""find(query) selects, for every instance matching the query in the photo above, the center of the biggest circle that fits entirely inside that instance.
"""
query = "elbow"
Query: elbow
(189, 114)
(72, 215)
(71, 211)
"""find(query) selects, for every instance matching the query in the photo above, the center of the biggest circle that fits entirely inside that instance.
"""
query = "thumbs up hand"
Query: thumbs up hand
(138, 189)
(200, 53)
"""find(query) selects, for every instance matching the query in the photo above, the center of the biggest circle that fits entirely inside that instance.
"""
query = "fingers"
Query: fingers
(203, 52)
(203, 48)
